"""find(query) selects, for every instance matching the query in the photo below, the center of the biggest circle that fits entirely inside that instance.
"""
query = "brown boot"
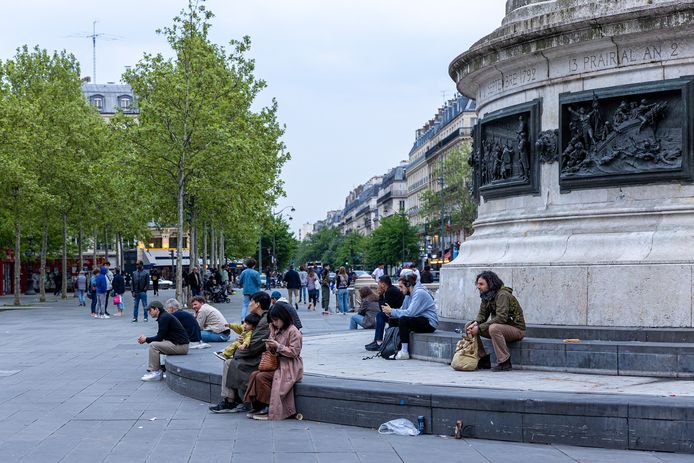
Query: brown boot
(503, 366)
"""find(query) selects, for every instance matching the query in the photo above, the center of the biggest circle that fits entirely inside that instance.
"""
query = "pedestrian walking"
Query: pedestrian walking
(249, 280)
(118, 292)
(325, 289)
(139, 290)
(154, 274)
(303, 277)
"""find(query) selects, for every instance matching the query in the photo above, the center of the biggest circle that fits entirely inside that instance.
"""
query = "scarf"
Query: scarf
(488, 296)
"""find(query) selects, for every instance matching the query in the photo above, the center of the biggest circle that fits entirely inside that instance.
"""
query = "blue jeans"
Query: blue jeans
(244, 310)
(342, 298)
(140, 297)
(93, 305)
(80, 293)
(209, 336)
(381, 320)
(355, 321)
(302, 294)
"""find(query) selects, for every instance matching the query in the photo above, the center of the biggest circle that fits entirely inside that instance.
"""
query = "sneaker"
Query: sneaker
(106, 316)
(241, 408)
(503, 366)
(402, 355)
(152, 376)
(134, 320)
(198, 345)
(262, 415)
(374, 346)
(146, 320)
(223, 407)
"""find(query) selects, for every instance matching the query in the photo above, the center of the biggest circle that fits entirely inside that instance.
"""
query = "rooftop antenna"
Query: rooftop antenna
(443, 96)
(93, 36)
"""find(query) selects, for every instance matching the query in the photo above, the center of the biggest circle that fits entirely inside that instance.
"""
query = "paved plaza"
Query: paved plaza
(70, 391)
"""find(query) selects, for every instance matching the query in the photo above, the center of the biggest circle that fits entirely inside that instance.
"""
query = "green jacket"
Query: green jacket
(504, 309)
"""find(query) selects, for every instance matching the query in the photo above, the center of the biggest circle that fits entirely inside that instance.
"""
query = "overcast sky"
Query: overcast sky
(354, 78)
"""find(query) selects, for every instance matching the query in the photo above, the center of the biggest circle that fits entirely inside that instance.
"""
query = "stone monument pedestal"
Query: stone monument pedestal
(583, 163)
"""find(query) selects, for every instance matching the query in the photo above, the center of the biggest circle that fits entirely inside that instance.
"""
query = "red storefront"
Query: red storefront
(7, 272)
(52, 265)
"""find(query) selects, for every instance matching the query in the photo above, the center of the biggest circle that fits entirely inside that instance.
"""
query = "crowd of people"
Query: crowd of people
(262, 354)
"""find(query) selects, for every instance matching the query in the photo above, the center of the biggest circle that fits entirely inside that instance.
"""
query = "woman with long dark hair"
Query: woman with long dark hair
(271, 393)
(342, 283)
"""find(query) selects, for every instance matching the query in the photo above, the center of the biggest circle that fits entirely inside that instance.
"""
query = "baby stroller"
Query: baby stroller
(218, 294)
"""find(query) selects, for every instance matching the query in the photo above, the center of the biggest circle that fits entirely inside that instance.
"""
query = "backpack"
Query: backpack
(391, 343)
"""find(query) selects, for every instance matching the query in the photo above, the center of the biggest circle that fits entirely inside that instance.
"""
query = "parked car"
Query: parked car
(166, 284)
(362, 273)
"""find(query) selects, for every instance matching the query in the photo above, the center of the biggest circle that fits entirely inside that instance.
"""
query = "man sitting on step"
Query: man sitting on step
(506, 322)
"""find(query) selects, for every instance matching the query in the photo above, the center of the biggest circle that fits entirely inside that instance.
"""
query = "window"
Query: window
(125, 102)
(157, 242)
(173, 242)
(98, 102)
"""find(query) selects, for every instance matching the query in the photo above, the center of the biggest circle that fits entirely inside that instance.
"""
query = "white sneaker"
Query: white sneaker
(401, 355)
(106, 316)
(198, 345)
(152, 376)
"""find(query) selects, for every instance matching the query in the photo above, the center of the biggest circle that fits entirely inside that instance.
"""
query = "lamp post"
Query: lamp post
(441, 183)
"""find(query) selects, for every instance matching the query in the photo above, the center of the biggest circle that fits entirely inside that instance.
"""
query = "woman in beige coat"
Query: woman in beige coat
(272, 392)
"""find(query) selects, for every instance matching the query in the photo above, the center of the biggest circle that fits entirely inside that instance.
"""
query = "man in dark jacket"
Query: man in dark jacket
(140, 282)
(171, 339)
(393, 297)
(237, 370)
(500, 318)
(188, 321)
(293, 281)
(195, 282)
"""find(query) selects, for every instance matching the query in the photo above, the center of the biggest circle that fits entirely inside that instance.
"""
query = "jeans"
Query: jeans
(342, 299)
(209, 336)
(302, 294)
(101, 301)
(140, 297)
(80, 293)
(246, 302)
(381, 320)
(355, 321)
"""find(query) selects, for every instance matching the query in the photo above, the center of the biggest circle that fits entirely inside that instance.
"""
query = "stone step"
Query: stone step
(631, 358)
(615, 421)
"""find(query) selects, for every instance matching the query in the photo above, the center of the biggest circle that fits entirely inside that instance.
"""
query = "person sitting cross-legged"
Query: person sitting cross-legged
(417, 314)
(171, 339)
(500, 318)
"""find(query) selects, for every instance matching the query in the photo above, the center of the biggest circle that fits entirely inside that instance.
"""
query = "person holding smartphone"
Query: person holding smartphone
(390, 296)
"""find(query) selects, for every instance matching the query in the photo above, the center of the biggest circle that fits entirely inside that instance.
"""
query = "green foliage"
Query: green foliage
(320, 246)
(394, 241)
(351, 250)
(458, 204)
(285, 245)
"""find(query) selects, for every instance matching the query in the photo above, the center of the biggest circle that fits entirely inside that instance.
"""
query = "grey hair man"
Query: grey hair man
(188, 321)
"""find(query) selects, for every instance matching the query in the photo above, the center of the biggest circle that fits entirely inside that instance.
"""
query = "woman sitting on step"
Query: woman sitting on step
(272, 392)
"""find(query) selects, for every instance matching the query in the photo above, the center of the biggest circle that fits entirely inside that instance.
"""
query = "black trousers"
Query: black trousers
(411, 324)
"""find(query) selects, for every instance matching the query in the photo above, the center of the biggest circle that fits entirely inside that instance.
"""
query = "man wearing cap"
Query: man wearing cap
(276, 297)
(171, 339)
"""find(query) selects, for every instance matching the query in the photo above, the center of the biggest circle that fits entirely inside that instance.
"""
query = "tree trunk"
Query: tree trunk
(17, 263)
(63, 293)
(179, 241)
(44, 251)
(96, 243)
(204, 246)
(119, 251)
(81, 251)
(222, 251)
(213, 248)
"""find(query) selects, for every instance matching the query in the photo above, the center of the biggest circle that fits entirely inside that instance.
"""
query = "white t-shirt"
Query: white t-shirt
(378, 273)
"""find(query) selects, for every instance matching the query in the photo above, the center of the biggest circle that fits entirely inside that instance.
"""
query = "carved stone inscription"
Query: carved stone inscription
(622, 135)
(504, 158)
(614, 57)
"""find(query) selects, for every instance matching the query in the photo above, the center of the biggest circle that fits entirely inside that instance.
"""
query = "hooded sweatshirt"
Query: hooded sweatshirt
(101, 281)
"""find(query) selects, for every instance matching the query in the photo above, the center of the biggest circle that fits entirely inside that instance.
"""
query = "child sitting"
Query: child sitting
(245, 330)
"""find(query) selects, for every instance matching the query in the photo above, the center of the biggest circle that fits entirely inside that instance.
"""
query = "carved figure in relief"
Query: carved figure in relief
(506, 158)
(618, 143)
(546, 146)
(583, 120)
(523, 155)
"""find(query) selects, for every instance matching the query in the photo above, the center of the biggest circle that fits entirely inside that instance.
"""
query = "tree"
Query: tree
(278, 236)
(351, 249)
(320, 246)
(197, 130)
(458, 204)
(394, 241)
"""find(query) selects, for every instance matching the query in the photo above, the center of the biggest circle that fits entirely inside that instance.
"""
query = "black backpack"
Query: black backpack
(391, 343)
